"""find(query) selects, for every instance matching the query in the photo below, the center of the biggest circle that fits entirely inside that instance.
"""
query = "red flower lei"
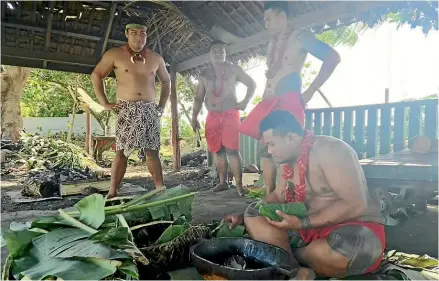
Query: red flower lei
(299, 192)
(223, 76)
(275, 64)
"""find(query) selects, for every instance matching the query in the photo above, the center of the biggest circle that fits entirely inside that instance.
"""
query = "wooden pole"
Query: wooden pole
(87, 130)
(386, 95)
(174, 114)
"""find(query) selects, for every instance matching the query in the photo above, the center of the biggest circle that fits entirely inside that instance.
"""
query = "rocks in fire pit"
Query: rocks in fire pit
(46, 183)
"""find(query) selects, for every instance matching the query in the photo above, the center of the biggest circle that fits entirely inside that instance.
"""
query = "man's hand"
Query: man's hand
(112, 106)
(195, 124)
(234, 220)
(242, 105)
(288, 222)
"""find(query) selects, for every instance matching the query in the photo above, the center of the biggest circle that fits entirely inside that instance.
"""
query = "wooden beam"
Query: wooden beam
(49, 56)
(49, 25)
(237, 25)
(251, 15)
(109, 25)
(301, 22)
(174, 114)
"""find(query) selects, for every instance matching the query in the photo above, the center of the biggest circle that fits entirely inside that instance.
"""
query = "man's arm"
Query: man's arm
(102, 69)
(165, 79)
(245, 79)
(325, 53)
(346, 178)
(278, 195)
(199, 98)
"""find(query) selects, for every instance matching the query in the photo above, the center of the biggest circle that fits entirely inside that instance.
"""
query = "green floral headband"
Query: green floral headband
(134, 25)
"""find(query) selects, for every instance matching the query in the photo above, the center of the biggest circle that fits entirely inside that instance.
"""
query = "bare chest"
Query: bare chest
(124, 67)
(316, 185)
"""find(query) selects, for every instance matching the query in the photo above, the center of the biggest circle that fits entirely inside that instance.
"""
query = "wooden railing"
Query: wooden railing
(370, 129)
(378, 128)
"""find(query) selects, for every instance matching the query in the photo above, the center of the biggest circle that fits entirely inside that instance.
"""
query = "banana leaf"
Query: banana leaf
(129, 268)
(19, 241)
(292, 209)
(91, 209)
(223, 230)
(171, 232)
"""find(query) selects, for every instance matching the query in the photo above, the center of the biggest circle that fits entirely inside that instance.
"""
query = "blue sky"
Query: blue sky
(404, 60)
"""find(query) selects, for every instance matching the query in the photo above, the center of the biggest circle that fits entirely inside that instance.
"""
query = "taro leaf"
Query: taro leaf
(170, 233)
(129, 268)
(19, 241)
(292, 209)
(223, 230)
(91, 210)
(51, 241)
(117, 237)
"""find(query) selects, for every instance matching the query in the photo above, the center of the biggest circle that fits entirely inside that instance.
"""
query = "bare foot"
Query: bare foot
(305, 273)
(241, 190)
(111, 195)
(220, 187)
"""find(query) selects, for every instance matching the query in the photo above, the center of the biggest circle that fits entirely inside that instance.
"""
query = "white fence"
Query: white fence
(46, 125)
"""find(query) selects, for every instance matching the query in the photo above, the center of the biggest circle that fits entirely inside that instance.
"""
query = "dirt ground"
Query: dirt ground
(419, 235)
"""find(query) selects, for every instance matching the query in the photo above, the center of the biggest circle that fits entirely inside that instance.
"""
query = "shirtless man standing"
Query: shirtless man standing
(286, 56)
(138, 115)
(343, 232)
(217, 88)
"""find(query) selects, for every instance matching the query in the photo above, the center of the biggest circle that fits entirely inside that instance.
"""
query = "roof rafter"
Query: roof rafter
(301, 22)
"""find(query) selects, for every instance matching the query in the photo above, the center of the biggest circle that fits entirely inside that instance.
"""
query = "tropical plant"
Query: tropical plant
(96, 239)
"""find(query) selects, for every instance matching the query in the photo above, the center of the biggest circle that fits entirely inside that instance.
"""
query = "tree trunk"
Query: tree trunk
(13, 81)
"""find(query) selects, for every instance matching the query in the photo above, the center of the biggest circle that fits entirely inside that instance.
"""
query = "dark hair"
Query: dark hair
(216, 42)
(282, 122)
(279, 6)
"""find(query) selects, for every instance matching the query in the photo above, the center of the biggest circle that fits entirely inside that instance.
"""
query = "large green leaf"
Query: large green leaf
(67, 269)
(50, 242)
(91, 210)
(19, 241)
(293, 209)
(223, 230)
(117, 237)
(171, 232)
(129, 268)
(50, 222)
(89, 249)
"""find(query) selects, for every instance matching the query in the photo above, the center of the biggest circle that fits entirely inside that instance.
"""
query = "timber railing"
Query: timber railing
(371, 130)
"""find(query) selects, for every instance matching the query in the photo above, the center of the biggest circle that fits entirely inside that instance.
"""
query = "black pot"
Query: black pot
(264, 261)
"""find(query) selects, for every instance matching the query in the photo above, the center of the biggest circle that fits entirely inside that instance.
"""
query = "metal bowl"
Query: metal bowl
(264, 261)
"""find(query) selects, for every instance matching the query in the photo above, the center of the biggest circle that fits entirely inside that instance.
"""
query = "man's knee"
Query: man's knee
(359, 244)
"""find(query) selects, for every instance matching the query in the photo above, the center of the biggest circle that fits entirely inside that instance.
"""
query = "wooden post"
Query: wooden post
(87, 129)
(174, 114)
(386, 95)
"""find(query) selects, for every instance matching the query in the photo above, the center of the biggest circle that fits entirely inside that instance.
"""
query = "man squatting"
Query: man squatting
(287, 51)
(217, 89)
(138, 115)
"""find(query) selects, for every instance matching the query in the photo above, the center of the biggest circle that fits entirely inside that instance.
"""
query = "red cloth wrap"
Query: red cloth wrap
(222, 130)
(309, 235)
(291, 102)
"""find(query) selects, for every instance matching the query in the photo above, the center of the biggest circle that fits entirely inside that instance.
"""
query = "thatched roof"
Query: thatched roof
(72, 35)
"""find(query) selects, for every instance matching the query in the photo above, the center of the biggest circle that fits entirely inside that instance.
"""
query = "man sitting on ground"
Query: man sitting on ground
(343, 233)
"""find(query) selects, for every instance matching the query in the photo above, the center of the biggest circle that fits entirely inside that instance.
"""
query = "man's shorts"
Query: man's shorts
(363, 243)
(137, 126)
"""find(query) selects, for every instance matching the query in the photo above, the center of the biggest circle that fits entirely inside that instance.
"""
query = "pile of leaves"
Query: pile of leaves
(96, 239)
(47, 153)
